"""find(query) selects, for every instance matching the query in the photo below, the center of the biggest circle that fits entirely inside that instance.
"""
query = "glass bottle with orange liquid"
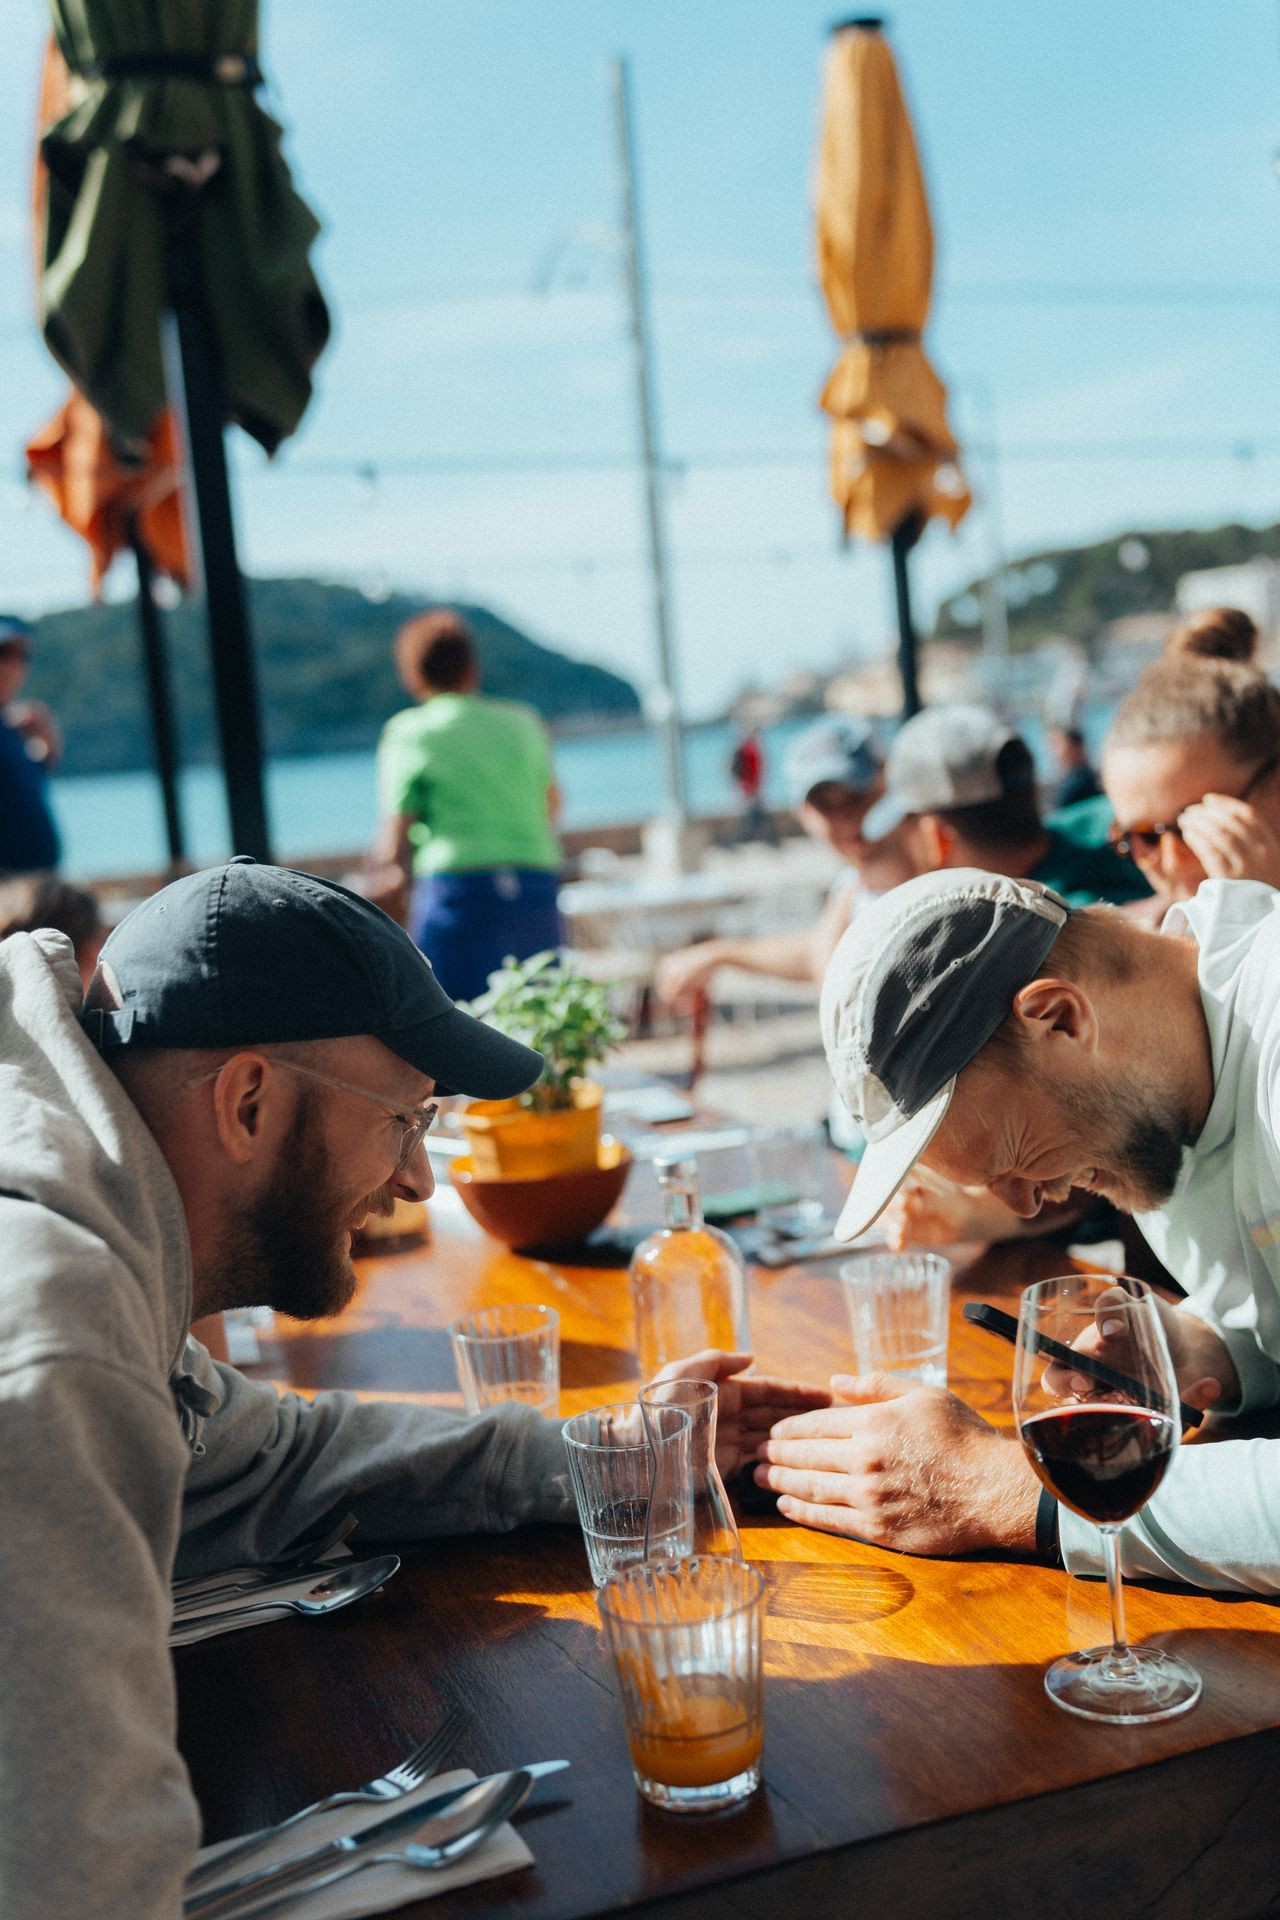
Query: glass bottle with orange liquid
(688, 1281)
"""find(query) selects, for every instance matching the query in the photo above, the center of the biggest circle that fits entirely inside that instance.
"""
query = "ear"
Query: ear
(248, 1105)
(936, 841)
(1053, 1011)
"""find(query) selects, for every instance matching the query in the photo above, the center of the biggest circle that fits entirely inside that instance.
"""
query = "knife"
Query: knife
(303, 1866)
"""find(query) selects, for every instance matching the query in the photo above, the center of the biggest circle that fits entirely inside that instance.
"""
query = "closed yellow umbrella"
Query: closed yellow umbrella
(894, 461)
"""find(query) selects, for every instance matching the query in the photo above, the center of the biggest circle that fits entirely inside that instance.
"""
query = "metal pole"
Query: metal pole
(159, 697)
(235, 688)
(905, 535)
(652, 460)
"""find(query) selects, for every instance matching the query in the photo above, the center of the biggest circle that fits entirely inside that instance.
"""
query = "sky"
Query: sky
(1106, 314)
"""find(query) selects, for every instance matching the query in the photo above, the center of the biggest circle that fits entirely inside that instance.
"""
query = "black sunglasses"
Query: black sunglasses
(1144, 836)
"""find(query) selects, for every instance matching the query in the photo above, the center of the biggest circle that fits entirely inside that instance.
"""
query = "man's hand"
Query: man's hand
(39, 730)
(748, 1405)
(928, 1211)
(682, 973)
(1205, 1371)
(902, 1465)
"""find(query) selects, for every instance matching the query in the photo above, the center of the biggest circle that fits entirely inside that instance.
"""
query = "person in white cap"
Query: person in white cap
(960, 791)
(975, 1023)
(835, 775)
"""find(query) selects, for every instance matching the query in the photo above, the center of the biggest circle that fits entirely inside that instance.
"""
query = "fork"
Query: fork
(410, 1773)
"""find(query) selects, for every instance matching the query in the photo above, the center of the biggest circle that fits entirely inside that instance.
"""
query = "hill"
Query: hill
(325, 674)
(1075, 591)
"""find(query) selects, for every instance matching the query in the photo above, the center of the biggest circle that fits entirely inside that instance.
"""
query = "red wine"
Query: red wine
(1104, 1462)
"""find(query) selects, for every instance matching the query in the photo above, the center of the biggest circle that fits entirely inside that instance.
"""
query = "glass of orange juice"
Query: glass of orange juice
(685, 1637)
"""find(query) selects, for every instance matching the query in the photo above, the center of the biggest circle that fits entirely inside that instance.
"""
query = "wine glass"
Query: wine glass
(1102, 1447)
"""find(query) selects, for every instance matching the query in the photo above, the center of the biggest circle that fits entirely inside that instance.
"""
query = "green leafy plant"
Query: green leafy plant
(560, 1012)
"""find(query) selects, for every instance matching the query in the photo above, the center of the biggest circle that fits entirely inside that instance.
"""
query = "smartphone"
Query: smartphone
(994, 1321)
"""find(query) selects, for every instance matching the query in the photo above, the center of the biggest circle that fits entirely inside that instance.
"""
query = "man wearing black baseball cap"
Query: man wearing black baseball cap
(252, 1074)
(975, 1023)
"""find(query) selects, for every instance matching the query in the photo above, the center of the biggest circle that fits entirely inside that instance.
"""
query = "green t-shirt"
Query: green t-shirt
(1080, 865)
(474, 775)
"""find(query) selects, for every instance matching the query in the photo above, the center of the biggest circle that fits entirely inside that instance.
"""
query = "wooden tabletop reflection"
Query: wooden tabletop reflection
(911, 1755)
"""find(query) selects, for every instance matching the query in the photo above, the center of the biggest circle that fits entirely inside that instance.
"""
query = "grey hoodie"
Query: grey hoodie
(126, 1452)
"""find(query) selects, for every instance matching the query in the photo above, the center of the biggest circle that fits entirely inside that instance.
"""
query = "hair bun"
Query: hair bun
(1216, 633)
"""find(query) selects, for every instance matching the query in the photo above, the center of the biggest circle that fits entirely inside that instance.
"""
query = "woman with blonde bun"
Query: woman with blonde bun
(1192, 763)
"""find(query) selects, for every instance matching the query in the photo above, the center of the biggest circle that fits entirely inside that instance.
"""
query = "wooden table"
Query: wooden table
(913, 1765)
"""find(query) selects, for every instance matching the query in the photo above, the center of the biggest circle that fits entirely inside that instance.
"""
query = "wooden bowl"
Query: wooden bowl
(559, 1209)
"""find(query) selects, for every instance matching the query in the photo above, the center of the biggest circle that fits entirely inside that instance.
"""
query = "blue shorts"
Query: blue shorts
(467, 923)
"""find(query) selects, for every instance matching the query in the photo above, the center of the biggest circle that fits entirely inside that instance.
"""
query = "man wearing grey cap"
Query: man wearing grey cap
(253, 1075)
(960, 791)
(975, 1023)
(834, 773)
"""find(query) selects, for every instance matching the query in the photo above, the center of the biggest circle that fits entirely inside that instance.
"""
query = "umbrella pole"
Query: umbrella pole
(159, 696)
(235, 688)
(905, 535)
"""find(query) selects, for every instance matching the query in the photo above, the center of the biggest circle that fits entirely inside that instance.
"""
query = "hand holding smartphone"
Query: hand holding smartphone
(992, 1320)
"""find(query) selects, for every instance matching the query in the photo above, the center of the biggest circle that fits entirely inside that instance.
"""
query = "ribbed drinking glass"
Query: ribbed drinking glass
(686, 1645)
(508, 1353)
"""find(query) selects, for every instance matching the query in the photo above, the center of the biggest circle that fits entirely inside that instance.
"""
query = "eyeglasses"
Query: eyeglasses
(415, 1124)
(15, 650)
(1144, 836)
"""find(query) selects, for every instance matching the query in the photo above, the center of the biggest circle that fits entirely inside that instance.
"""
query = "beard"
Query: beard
(289, 1250)
(1141, 1144)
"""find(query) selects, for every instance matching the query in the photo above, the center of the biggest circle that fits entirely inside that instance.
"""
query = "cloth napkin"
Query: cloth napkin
(379, 1889)
(184, 1634)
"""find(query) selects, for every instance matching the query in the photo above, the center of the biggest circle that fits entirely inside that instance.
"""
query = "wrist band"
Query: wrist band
(1048, 1548)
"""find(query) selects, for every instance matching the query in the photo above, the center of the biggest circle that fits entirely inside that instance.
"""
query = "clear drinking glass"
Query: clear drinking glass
(686, 1645)
(632, 1482)
(508, 1353)
(1102, 1449)
(715, 1530)
(790, 1162)
(899, 1313)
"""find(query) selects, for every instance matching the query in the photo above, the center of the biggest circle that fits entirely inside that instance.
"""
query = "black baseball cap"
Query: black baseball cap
(244, 955)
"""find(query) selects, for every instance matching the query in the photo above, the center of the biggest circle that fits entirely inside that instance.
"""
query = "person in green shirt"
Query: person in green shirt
(468, 802)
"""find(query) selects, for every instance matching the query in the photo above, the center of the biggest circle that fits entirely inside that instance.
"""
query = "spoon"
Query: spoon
(337, 1589)
(474, 1814)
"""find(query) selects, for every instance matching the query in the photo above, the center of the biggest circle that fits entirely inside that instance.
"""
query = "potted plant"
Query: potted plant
(555, 1126)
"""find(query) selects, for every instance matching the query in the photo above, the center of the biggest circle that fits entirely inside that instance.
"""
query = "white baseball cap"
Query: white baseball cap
(917, 986)
(946, 757)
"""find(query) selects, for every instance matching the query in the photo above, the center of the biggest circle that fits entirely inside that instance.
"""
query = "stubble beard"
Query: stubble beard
(290, 1249)
(1148, 1131)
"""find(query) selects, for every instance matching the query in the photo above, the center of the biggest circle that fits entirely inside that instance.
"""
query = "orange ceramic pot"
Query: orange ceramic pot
(508, 1141)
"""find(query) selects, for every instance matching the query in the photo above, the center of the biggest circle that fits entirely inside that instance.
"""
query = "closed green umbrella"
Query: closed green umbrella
(168, 192)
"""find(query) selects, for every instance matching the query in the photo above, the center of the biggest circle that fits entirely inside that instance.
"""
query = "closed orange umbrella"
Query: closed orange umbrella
(894, 462)
(102, 498)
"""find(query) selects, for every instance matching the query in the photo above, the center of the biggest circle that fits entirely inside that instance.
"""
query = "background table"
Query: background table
(913, 1765)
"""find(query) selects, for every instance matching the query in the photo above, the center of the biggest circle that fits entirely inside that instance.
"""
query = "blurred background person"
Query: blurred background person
(29, 901)
(834, 773)
(468, 802)
(1077, 779)
(961, 791)
(30, 748)
(1191, 766)
(747, 771)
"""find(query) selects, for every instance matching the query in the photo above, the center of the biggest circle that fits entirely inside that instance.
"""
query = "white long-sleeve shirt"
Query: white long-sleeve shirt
(1215, 1522)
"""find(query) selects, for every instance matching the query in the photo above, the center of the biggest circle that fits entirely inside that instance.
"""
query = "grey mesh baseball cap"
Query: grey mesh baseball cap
(915, 989)
(243, 955)
(945, 757)
(838, 748)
